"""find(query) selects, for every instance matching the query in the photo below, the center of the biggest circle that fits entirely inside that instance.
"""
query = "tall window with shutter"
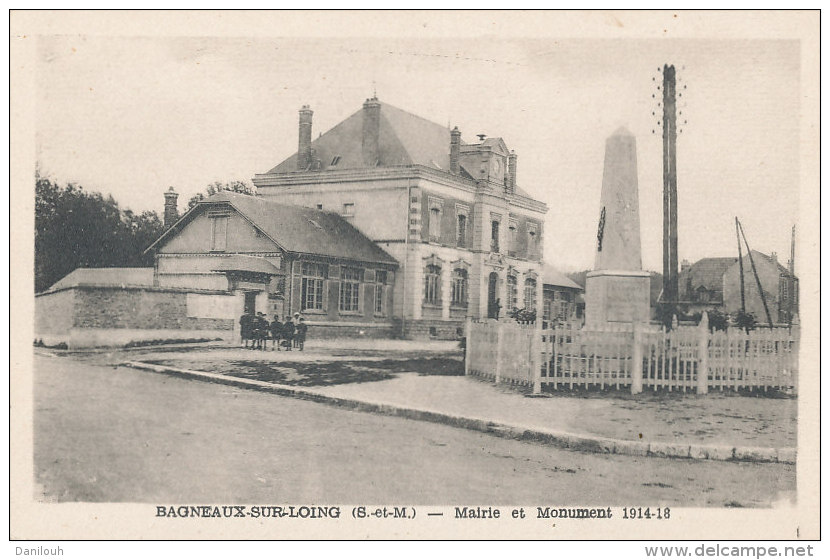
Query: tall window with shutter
(380, 291)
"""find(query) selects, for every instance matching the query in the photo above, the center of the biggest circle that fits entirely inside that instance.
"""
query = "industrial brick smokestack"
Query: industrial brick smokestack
(304, 145)
(371, 131)
(455, 150)
(171, 209)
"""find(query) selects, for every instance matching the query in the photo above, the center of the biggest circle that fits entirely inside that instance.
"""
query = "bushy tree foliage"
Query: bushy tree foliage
(523, 315)
(217, 186)
(745, 321)
(718, 321)
(75, 228)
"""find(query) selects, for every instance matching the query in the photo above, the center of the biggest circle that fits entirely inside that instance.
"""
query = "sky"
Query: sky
(132, 116)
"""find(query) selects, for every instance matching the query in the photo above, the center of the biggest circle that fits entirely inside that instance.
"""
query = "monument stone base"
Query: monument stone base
(617, 296)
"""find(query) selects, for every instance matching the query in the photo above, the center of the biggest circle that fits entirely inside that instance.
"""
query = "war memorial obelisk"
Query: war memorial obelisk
(617, 289)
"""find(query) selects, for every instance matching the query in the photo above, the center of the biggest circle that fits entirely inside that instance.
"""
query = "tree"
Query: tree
(215, 187)
(522, 315)
(75, 228)
(718, 321)
(745, 321)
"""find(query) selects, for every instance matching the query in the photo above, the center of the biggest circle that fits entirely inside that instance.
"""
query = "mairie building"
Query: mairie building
(467, 239)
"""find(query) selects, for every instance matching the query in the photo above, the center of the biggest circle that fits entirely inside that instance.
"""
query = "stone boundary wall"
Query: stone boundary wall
(350, 330)
(433, 329)
(85, 316)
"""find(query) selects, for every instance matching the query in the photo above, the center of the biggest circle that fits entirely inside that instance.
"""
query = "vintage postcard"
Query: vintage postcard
(414, 275)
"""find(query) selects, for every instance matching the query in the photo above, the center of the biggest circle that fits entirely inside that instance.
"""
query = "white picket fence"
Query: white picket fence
(504, 351)
(634, 356)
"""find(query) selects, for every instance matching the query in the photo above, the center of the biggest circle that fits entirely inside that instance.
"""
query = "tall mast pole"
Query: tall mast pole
(670, 280)
(740, 264)
(757, 279)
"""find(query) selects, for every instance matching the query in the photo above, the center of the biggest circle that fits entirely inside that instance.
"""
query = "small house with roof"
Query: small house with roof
(701, 283)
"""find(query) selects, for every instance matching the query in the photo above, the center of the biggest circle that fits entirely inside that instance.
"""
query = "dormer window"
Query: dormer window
(335, 160)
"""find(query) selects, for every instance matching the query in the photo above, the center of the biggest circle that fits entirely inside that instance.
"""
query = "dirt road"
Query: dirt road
(119, 434)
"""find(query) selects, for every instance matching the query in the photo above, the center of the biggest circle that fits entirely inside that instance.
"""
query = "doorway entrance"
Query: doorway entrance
(250, 303)
(492, 299)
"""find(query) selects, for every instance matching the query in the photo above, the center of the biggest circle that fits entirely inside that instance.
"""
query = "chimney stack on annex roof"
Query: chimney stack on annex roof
(171, 209)
(371, 132)
(304, 144)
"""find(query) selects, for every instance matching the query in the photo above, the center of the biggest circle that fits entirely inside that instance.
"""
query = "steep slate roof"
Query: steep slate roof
(104, 277)
(405, 139)
(296, 229)
(552, 277)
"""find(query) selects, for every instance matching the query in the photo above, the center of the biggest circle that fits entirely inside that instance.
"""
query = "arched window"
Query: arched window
(530, 294)
(459, 287)
(512, 294)
(432, 284)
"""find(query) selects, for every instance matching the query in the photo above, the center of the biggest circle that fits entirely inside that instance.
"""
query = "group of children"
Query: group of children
(258, 331)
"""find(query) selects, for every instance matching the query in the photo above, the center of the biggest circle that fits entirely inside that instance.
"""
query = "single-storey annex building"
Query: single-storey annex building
(229, 254)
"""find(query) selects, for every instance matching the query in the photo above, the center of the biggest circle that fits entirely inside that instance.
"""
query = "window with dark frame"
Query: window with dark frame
(461, 238)
(459, 287)
(512, 293)
(432, 284)
(312, 284)
(494, 236)
(350, 281)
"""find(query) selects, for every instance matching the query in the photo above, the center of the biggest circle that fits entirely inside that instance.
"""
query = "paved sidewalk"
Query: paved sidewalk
(708, 427)
(714, 419)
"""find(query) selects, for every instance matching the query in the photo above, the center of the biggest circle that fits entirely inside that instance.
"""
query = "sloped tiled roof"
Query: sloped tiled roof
(781, 268)
(296, 229)
(552, 277)
(105, 277)
(405, 139)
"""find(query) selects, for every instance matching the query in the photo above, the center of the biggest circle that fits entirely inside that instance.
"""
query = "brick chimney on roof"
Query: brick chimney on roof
(511, 171)
(171, 209)
(304, 144)
(371, 132)
(455, 150)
